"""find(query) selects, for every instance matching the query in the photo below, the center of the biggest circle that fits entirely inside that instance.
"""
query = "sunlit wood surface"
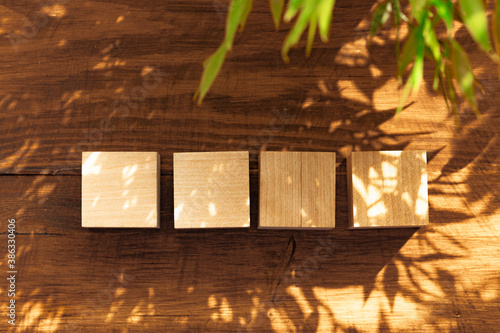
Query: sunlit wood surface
(120, 75)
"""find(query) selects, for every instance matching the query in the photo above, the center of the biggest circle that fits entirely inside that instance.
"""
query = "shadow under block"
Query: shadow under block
(387, 189)
(297, 190)
(211, 190)
(120, 189)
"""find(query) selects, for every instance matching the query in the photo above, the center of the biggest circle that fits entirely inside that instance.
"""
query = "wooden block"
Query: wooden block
(387, 189)
(297, 190)
(211, 190)
(120, 189)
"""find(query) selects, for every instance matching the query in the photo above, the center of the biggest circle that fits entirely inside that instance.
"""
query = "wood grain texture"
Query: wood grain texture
(75, 85)
(387, 189)
(120, 190)
(211, 190)
(297, 190)
(318, 190)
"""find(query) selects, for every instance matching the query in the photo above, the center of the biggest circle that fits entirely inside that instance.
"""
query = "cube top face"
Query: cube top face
(120, 189)
(297, 190)
(387, 189)
(211, 190)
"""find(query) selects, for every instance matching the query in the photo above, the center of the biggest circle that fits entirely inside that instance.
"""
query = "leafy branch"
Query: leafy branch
(423, 41)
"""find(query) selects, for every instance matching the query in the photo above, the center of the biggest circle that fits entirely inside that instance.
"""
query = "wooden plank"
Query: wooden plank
(211, 190)
(297, 190)
(387, 189)
(120, 190)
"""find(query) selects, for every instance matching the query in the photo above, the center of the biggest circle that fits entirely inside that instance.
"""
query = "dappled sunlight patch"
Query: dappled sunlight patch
(301, 300)
(280, 321)
(52, 322)
(32, 311)
(57, 10)
(348, 303)
(349, 90)
(107, 60)
(222, 310)
(137, 313)
(114, 308)
(77, 94)
(21, 155)
(353, 53)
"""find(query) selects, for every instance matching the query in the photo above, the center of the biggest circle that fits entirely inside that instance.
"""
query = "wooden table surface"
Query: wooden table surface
(120, 75)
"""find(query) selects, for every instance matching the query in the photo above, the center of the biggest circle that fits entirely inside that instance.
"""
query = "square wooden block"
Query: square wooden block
(120, 190)
(211, 190)
(387, 189)
(297, 190)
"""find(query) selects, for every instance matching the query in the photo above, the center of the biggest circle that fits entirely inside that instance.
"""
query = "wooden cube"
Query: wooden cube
(387, 189)
(211, 190)
(297, 190)
(120, 190)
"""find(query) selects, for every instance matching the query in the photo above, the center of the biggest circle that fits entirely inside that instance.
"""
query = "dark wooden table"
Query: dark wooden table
(120, 75)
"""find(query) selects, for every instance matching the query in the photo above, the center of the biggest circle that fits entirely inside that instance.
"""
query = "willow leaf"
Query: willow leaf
(293, 8)
(237, 15)
(325, 14)
(276, 10)
(444, 9)
(397, 24)
(244, 15)
(408, 52)
(463, 74)
(300, 25)
(418, 8)
(474, 18)
(496, 31)
(211, 68)
(380, 17)
(416, 76)
(312, 31)
(431, 40)
(417, 73)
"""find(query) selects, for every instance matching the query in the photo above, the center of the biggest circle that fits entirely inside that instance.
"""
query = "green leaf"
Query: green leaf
(244, 15)
(398, 14)
(312, 13)
(496, 32)
(408, 52)
(417, 73)
(463, 74)
(415, 79)
(380, 17)
(474, 18)
(431, 40)
(324, 12)
(276, 10)
(441, 84)
(211, 68)
(237, 15)
(444, 9)
(397, 24)
(435, 79)
(293, 8)
(449, 83)
(300, 25)
(418, 8)
(312, 31)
